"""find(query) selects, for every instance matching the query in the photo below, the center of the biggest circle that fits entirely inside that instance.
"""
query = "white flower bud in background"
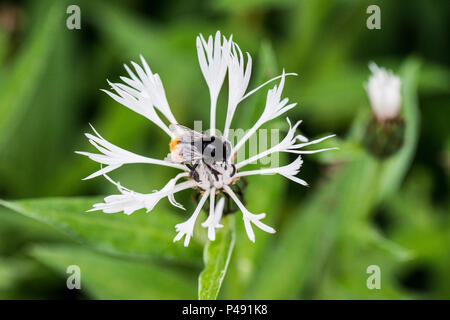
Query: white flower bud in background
(383, 89)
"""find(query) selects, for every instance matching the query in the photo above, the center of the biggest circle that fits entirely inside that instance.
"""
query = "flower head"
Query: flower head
(383, 89)
(206, 161)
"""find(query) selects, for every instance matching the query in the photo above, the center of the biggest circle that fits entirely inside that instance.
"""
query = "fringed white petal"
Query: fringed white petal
(141, 105)
(289, 171)
(213, 59)
(238, 79)
(129, 201)
(114, 157)
(215, 215)
(142, 93)
(149, 85)
(274, 108)
(288, 144)
(384, 92)
(187, 228)
(249, 217)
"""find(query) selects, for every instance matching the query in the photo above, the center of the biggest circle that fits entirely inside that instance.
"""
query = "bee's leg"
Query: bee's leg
(195, 176)
(234, 170)
(192, 167)
(193, 173)
(213, 171)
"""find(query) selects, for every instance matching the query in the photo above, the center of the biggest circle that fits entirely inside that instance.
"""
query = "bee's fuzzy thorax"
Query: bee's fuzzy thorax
(173, 143)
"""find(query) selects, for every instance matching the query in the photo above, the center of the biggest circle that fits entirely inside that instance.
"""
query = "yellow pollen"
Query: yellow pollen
(174, 143)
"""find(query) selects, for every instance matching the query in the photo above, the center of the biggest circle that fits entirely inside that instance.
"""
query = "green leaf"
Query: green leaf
(6, 275)
(217, 256)
(17, 230)
(249, 5)
(106, 277)
(140, 234)
(12, 270)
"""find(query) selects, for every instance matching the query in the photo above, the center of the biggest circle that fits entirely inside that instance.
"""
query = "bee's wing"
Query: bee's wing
(185, 134)
(190, 142)
(190, 153)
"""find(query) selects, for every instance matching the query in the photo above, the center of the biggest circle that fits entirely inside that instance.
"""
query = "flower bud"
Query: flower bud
(383, 89)
(385, 129)
(384, 139)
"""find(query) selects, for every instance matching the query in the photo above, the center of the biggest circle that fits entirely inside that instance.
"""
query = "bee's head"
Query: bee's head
(215, 149)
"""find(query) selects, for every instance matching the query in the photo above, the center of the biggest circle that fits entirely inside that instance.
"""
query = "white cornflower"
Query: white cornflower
(384, 93)
(206, 160)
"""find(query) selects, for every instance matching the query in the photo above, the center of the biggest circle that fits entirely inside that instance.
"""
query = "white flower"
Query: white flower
(384, 93)
(143, 93)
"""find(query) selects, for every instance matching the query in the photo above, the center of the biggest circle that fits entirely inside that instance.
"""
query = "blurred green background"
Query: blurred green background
(358, 211)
